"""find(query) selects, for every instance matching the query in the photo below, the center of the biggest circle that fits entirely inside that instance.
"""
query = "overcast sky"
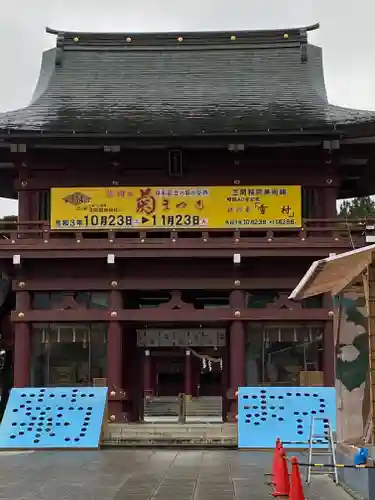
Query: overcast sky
(346, 35)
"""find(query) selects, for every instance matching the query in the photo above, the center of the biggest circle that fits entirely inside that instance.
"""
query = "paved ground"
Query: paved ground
(143, 475)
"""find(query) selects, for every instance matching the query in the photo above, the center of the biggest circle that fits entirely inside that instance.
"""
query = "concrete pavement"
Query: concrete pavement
(126, 474)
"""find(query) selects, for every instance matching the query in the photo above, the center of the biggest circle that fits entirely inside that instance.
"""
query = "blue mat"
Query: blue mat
(64, 417)
(266, 413)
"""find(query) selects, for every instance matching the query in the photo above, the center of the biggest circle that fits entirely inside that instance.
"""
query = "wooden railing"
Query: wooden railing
(313, 230)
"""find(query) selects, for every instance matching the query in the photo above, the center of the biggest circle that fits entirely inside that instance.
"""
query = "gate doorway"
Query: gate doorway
(170, 376)
(186, 362)
(210, 384)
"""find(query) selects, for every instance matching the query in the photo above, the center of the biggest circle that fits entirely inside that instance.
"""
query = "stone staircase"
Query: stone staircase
(161, 409)
(166, 409)
(204, 409)
(191, 435)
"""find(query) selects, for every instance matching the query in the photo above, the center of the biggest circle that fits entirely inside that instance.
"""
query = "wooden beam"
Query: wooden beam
(255, 250)
(60, 177)
(160, 315)
(193, 283)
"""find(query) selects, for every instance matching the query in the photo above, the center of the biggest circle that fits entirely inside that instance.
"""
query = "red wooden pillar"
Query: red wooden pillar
(237, 344)
(225, 382)
(330, 200)
(147, 374)
(331, 184)
(115, 360)
(196, 367)
(26, 210)
(154, 375)
(24, 206)
(188, 373)
(22, 343)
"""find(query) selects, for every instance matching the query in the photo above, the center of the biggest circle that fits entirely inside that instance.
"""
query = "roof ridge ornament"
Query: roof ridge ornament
(304, 41)
(59, 48)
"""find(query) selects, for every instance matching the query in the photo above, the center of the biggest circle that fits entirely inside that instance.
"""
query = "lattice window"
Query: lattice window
(283, 354)
(68, 354)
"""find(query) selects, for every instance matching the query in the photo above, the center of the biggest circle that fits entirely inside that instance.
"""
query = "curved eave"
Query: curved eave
(353, 131)
(237, 137)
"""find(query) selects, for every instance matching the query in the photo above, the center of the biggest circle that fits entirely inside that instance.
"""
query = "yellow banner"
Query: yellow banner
(217, 207)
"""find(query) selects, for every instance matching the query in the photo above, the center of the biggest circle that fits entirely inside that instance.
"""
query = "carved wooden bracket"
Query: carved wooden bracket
(282, 302)
(68, 302)
(176, 302)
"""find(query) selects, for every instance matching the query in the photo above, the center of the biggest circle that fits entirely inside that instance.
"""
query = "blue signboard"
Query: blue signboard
(268, 413)
(68, 417)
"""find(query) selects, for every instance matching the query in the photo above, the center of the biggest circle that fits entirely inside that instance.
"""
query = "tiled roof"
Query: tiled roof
(182, 85)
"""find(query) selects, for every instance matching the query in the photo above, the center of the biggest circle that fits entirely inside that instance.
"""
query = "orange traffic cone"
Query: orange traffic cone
(276, 459)
(282, 476)
(296, 488)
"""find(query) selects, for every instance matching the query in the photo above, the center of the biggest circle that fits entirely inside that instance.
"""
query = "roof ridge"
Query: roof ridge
(311, 27)
(296, 35)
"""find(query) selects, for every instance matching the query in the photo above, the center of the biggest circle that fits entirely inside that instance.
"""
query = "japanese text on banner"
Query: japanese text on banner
(217, 207)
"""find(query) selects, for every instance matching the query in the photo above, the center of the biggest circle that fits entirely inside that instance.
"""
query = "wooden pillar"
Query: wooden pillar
(188, 373)
(114, 360)
(225, 381)
(25, 208)
(22, 343)
(329, 354)
(331, 188)
(318, 203)
(369, 286)
(237, 344)
(237, 355)
(197, 375)
(147, 374)
(154, 375)
(330, 199)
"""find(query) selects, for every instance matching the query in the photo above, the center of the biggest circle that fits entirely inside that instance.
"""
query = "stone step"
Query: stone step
(180, 432)
(161, 413)
(203, 413)
(171, 443)
(173, 434)
(188, 407)
(204, 408)
(147, 427)
(174, 429)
